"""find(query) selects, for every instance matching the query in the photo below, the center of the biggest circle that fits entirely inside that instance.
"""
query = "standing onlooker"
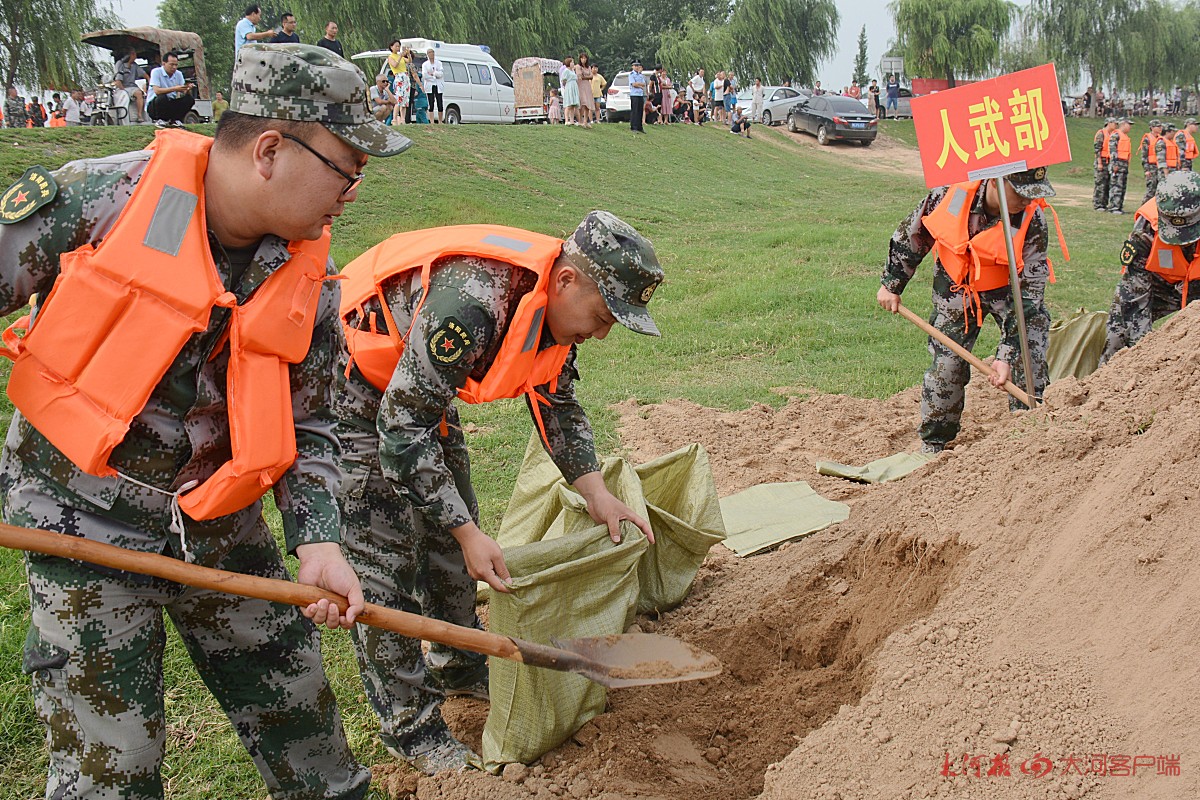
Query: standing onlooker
(696, 86)
(730, 95)
(71, 108)
(854, 91)
(893, 93)
(1176, 99)
(667, 100)
(414, 86)
(220, 106)
(817, 90)
(128, 71)
(637, 98)
(402, 86)
(873, 99)
(14, 110)
(432, 79)
(287, 30)
(329, 40)
(587, 107)
(599, 84)
(247, 28)
(172, 94)
(395, 64)
(568, 79)
(383, 102)
(717, 93)
(756, 101)
(1087, 101)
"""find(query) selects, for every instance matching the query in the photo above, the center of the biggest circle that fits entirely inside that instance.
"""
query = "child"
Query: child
(555, 110)
(420, 106)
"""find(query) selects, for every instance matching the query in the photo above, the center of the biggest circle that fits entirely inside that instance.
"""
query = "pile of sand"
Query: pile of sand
(1027, 599)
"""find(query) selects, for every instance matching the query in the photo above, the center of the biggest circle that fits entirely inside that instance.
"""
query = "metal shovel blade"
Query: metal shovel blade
(621, 660)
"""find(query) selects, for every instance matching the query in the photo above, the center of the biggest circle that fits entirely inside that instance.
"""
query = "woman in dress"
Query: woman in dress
(570, 90)
(587, 104)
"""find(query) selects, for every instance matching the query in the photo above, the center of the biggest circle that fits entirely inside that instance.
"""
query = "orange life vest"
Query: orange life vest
(58, 122)
(1151, 149)
(121, 311)
(978, 263)
(1190, 151)
(518, 368)
(1124, 146)
(1102, 135)
(1172, 152)
(1167, 260)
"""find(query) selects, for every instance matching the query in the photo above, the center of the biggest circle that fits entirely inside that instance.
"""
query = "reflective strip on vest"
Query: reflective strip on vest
(956, 201)
(1164, 260)
(503, 241)
(169, 224)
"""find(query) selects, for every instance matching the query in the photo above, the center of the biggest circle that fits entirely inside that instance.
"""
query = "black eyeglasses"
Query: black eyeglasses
(352, 181)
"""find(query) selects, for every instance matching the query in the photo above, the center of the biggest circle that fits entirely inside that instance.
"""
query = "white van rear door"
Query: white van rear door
(506, 94)
(458, 90)
(483, 92)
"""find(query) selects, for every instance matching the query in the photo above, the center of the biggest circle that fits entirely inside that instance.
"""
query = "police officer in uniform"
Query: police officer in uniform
(1160, 271)
(217, 220)
(959, 308)
(1185, 143)
(1148, 150)
(1119, 147)
(1101, 174)
(410, 519)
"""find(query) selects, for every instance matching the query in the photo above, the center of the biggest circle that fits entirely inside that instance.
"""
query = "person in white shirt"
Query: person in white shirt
(71, 108)
(432, 77)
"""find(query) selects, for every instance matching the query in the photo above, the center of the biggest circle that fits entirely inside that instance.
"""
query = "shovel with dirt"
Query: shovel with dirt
(617, 661)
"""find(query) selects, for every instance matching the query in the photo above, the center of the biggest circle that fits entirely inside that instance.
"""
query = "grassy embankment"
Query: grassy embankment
(772, 253)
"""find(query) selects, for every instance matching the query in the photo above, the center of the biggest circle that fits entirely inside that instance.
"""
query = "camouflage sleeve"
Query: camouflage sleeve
(909, 245)
(1098, 142)
(1144, 151)
(307, 495)
(86, 205)
(1034, 273)
(1160, 150)
(1135, 252)
(567, 428)
(1114, 141)
(1181, 146)
(450, 335)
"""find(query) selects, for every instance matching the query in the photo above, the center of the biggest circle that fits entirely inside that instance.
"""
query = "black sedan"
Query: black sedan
(832, 117)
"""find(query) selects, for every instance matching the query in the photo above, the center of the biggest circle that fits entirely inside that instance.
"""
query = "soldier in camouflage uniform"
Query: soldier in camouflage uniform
(1184, 137)
(1148, 151)
(943, 391)
(1162, 149)
(1119, 167)
(1101, 173)
(1144, 295)
(95, 646)
(409, 515)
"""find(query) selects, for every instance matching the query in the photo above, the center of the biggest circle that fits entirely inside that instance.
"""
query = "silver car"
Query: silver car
(776, 101)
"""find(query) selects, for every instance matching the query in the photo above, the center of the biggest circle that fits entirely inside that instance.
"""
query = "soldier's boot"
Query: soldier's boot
(439, 752)
(479, 690)
(932, 448)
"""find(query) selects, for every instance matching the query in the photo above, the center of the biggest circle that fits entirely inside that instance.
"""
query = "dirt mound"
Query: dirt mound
(1023, 605)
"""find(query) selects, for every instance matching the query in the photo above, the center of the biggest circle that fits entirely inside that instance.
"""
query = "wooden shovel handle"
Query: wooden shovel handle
(962, 352)
(413, 625)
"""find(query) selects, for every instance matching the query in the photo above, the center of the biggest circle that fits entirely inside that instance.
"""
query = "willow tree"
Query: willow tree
(697, 45)
(1089, 36)
(40, 46)
(949, 38)
(780, 40)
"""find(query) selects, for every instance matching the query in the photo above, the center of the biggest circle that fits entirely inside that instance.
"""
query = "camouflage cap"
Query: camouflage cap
(1167, 128)
(1110, 121)
(1179, 208)
(1191, 121)
(1031, 183)
(622, 263)
(306, 83)
(1156, 123)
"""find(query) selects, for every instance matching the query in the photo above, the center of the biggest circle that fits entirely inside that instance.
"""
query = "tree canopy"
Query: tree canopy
(780, 40)
(39, 40)
(951, 38)
(861, 76)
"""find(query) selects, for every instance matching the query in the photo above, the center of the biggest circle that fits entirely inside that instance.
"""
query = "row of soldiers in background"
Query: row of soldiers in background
(1162, 150)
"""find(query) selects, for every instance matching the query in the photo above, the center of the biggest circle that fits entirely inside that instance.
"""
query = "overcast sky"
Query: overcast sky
(835, 72)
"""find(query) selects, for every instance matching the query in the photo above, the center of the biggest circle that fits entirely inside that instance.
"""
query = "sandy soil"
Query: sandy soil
(1028, 599)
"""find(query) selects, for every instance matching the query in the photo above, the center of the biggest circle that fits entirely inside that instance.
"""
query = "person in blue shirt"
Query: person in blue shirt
(247, 28)
(637, 97)
(170, 95)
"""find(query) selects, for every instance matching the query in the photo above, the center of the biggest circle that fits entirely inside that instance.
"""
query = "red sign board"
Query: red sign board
(991, 128)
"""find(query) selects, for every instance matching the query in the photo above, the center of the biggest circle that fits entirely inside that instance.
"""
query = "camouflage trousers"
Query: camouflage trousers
(1100, 184)
(1151, 183)
(1141, 299)
(406, 564)
(1116, 185)
(943, 392)
(94, 654)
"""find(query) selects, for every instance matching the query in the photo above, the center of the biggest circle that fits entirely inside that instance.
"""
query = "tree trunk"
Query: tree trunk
(950, 78)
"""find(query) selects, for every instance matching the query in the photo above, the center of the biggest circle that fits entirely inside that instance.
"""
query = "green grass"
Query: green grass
(772, 252)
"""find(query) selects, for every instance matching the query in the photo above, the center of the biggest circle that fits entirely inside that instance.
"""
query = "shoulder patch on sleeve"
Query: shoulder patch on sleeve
(31, 191)
(449, 342)
(1129, 252)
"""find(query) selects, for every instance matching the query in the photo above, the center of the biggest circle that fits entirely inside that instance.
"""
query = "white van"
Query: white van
(477, 87)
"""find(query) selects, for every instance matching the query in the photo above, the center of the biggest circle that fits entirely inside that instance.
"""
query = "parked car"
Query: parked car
(903, 103)
(776, 102)
(477, 87)
(832, 117)
(616, 107)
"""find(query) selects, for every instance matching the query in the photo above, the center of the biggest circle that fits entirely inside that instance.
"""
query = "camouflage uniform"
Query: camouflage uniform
(1144, 150)
(408, 484)
(1119, 175)
(95, 644)
(1160, 152)
(1181, 142)
(943, 390)
(1101, 171)
(15, 114)
(1142, 296)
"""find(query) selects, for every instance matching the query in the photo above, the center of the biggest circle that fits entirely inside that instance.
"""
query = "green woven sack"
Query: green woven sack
(579, 584)
(685, 514)
(1076, 344)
